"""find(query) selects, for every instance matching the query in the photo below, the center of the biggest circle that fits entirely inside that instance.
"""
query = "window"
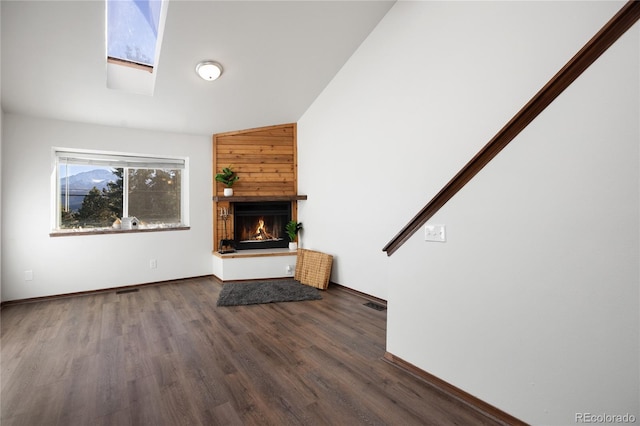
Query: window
(94, 190)
(133, 40)
(132, 30)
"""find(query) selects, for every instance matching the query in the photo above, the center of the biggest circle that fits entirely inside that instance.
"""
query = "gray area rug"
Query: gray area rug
(268, 291)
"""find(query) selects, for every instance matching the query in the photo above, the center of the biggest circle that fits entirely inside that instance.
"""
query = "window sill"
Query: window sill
(103, 231)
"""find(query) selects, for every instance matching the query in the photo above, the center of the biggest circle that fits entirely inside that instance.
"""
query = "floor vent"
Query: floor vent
(375, 306)
(127, 290)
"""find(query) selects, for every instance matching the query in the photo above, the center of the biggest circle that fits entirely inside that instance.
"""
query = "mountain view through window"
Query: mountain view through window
(98, 197)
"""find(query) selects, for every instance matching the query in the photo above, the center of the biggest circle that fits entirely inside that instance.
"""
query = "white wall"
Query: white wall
(81, 263)
(532, 304)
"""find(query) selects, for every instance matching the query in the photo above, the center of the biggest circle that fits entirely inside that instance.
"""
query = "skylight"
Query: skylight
(133, 39)
(132, 30)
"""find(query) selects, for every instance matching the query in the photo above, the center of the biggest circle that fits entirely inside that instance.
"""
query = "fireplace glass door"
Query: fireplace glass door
(261, 225)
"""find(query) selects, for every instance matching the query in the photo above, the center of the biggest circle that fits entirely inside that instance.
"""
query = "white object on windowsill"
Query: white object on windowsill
(129, 223)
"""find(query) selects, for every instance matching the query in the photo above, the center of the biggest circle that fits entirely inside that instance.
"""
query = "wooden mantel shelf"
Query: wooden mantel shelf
(258, 198)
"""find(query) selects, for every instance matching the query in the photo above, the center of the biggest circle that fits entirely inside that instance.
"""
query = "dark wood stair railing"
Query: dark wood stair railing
(626, 17)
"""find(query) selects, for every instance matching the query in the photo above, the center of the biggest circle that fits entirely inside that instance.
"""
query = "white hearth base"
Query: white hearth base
(254, 264)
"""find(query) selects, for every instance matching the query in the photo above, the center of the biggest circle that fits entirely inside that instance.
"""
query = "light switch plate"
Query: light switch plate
(435, 233)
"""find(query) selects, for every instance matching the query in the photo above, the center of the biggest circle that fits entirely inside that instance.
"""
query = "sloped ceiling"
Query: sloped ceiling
(277, 58)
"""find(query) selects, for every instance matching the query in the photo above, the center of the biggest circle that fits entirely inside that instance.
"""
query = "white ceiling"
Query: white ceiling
(277, 58)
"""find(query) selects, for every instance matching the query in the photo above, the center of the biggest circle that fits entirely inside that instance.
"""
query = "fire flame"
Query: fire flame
(261, 231)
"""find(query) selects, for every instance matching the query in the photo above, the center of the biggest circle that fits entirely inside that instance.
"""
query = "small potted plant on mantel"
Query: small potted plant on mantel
(292, 229)
(228, 177)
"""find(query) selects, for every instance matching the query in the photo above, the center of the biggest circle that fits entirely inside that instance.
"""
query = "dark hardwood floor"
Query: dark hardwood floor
(166, 355)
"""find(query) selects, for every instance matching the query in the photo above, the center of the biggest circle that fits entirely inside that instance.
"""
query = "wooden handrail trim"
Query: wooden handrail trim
(626, 17)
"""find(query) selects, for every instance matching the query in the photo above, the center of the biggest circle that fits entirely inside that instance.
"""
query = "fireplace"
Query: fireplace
(261, 225)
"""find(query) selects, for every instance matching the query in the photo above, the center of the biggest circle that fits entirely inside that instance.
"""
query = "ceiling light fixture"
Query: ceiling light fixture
(209, 70)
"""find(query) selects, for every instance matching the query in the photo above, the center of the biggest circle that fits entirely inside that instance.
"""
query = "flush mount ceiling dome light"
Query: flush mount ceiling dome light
(209, 70)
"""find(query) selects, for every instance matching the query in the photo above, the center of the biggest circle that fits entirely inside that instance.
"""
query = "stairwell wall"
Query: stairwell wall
(532, 304)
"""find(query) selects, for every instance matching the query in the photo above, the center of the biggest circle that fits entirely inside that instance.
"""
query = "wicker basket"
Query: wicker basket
(313, 268)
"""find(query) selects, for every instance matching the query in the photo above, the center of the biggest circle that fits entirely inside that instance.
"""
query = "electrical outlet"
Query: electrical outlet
(435, 233)
(289, 270)
(28, 275)
(153, 264)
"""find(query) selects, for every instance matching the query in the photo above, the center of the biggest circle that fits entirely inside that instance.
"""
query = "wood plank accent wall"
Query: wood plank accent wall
(264, 158)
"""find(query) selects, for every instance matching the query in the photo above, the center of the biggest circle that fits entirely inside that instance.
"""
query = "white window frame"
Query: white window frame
(116, 160)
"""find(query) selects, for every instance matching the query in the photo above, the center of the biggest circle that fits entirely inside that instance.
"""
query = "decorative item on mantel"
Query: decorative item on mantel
(292, 229)
(226, 244)
(228, 177)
